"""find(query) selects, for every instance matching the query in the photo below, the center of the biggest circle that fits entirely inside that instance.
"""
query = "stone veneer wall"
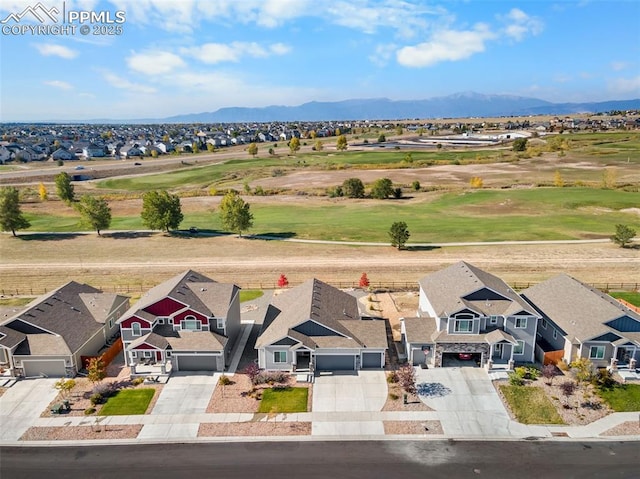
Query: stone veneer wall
(441, 348)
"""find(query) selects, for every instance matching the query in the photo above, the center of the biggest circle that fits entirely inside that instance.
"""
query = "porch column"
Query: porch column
(614, 364)
(511, 361)
(633, 363)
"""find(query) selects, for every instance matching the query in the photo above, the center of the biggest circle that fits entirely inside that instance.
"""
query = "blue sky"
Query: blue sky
(190, 56)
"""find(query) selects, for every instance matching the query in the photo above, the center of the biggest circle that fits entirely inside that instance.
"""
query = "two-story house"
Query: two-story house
(188, 323)
(580, 321)
(467, 313)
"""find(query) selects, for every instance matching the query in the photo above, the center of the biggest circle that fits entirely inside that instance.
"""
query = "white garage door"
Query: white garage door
(51, 368)
(198, 363)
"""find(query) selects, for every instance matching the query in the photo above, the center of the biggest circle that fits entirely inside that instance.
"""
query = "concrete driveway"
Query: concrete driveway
(343, 392)
(22, 403)
(186, 393)
(467, 402)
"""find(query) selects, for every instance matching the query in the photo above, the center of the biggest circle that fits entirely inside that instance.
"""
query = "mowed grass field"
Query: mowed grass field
(463, 216)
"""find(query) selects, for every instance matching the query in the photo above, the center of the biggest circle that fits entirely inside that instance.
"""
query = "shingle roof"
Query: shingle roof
(10, 337)
(65, 312)
(164, 337)
(419, 330)
(43, 345)
(201, 293)
(578, 309)
(323, 304)
(447, 289)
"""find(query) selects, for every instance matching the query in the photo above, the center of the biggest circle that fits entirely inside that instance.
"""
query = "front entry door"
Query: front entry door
(497, 350)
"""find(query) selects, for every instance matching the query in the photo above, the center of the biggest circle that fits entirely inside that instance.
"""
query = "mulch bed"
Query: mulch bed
(412, 427)
(74, 433)
(268, 428)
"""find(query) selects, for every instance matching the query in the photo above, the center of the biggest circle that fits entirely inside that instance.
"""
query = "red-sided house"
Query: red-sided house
(188, 323)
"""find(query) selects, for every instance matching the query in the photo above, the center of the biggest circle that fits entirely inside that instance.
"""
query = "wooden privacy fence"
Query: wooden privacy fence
(632, 307)
(107, 356)
(552, 357)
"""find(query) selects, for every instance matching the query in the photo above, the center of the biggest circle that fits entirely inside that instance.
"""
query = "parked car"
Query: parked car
(465, 356)
(79, 167)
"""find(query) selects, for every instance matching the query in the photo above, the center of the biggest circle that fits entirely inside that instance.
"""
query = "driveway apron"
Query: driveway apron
(22, 403)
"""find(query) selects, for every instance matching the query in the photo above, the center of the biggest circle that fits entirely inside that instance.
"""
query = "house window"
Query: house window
(518, 350)
(555, 334)
(190, 323)
(493, 320)
(279, 356)
(596, 352)
(463, 326)
(135, 329)
(110, 323)
(167, 354)
(147, 354)
(134, 354)
(160, 320)
(521, 323)
(544, 323)
(220, 323)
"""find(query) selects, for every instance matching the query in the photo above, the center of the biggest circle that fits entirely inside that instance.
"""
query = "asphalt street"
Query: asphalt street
(366, 459)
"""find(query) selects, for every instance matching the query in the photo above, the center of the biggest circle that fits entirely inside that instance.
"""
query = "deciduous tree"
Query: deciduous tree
(294, 145)
(11, 218)
(364, 281)
(64, 188)
(161, 210)
(252, 149)
(97, 370)
(95, 213)
(353, 188)
(382, 188)
(42, 192)
(520, 144)
(235, 213)
(283, 282)
(341, 143)
(558, 182)
(407, 380)
(318, 145)
(399, 234)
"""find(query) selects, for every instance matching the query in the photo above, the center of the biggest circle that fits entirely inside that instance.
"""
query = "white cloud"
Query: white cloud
(520, 24)
(383, 54)
(49, 49)
(62, 85)
(154, 62)
(212, 53)
(448, 45)
(626, 86)
(124, 84)
(617, 66)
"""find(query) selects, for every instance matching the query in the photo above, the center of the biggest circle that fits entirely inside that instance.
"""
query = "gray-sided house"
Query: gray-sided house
(188, 323)
(467, 313)
(51, 334)
(580, 321)
(316, 327)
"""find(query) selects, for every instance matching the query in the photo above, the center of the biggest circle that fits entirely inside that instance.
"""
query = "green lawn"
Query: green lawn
(282, 400)
(633, 298)
(127, 402)
(8, 302)
(250, 294)
(530, 405)
(478, 215)
(622, 398)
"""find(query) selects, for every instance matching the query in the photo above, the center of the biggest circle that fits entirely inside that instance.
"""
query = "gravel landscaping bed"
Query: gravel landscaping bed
(79, 396)
(412, 427)
(81, 433)
(629, 428)
(415, 404)
(270, 428)
(584, 405)
(236, 397)
(2, 391)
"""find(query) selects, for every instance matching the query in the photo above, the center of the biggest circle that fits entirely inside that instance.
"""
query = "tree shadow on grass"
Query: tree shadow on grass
(48, 236)
(420, 248)
(433, 390)
(129, 234)
(273, 236)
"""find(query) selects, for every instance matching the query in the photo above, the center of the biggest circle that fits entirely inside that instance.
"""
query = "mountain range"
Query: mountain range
(459, 105)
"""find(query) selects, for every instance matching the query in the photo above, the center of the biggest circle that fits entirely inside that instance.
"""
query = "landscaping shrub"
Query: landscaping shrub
(96, 399)
(224, 380)
(603, 379)
(89, 411)
(393, 397)
(392, 377)
(271, 377)
(137, 381)
(103, 389)
(515, 379)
